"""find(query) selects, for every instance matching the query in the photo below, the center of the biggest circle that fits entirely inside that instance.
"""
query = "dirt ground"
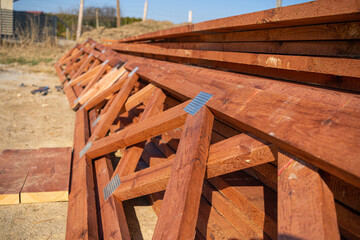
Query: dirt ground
(32, 121)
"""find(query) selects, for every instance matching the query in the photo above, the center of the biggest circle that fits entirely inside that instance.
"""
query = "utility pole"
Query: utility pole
(278, 3)
(145, 10)
(118, 19)
(190, 16)
(97, 17)
(81, 11)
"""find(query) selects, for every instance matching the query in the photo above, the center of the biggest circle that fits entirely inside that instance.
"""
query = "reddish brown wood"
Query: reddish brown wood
(82, 217)
(328, 31)
(155, 178)
(271, 115)
(347, 49)
(108, 118)
(132, 155)
(306, 208)
(113, 219)
(185, 182)
(148, 128)
(323, 65)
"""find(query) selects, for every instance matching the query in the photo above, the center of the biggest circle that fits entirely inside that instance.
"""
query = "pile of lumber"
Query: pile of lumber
(270, 152)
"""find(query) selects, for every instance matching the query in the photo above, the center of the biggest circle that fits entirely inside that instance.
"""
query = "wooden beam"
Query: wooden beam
(139, 132)
(114, 224)
(306, 208)
(185, 183)
(108, 118)
(279, 111)
(345, 48)
(82, 217)
(328, 31)
(129, 160)
(322, 65)
(154, 179)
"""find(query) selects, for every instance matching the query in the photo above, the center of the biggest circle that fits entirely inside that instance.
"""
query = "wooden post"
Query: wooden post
(81, 11)
(278, 3)
(97, 17)
(67, 33)
(145, 10)
(118, 18)
(306, 208)
(179, 211)
(190, 16)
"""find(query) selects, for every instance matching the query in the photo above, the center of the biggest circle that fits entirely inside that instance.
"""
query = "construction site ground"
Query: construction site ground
(30, 121)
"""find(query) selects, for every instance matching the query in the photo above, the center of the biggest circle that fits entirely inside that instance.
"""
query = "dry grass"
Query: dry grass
(27, 50)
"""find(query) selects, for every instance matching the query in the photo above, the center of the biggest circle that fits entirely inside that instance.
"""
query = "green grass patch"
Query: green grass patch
(23, 61)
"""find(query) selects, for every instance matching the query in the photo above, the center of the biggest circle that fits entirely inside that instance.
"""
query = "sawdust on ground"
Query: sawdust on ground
(31, 121)
(129, 30)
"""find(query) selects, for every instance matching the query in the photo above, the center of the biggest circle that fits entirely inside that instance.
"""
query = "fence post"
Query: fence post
(145, 10)
(190, 16)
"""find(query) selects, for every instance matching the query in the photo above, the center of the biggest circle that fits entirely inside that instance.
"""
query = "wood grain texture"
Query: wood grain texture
(113, 219)
(148, 128)
(248, 197)
(14, 167)
(154, 179)
(114, 109)
(185, 182)
(129, 160)
(336, 48)
(48, 179)
(82, 216)
(323, 65)
(306, 208)
(279, 112)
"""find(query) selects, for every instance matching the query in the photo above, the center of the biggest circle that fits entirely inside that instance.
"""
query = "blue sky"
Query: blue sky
(175, 11)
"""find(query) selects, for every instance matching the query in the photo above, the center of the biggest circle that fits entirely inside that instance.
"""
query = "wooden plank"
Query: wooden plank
(113, 219)
(14, 167)
(306, 208)
(85, 76)
(343, 192)
(48, 178)
(148, 128)
(82, 217)
(114, 109)
(106, 81)
(309, 13)
(322, 65)
(346, 49)
(349, 222)
(154, 179)
(279, 112)
(185, 183)
(248, 197)
(129, 160)
(319, 32)
(106, 94)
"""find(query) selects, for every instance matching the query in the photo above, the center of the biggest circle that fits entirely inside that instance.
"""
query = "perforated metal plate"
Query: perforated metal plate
(85, 149)
(133, 71)
(96, 121)
(111, 186)
(77, 100)
(83, 106)
(197, 103)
